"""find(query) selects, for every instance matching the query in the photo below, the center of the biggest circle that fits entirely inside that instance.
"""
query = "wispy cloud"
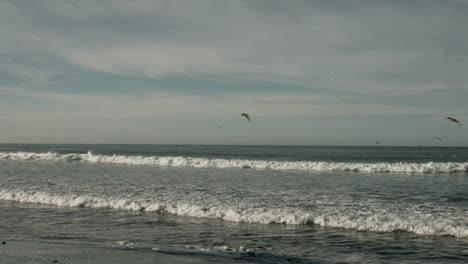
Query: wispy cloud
(370, 49)
(29, 75)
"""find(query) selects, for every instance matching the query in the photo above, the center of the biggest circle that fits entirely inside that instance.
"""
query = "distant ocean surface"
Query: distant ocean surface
(279, 204)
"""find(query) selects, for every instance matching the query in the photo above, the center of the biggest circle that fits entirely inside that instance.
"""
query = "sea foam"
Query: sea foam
(180, 161)
(373, 220)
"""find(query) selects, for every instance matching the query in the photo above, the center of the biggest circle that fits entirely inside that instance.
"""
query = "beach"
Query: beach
(263, 204)
(32, 252)
(278, 132)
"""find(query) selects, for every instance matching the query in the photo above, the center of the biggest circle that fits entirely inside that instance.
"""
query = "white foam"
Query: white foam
(124, 244)
(428, 167)
(372, 220)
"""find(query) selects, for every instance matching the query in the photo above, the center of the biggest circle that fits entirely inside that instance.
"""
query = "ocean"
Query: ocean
(271, 204)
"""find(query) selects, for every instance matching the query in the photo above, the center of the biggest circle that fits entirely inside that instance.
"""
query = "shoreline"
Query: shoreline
(35, 251)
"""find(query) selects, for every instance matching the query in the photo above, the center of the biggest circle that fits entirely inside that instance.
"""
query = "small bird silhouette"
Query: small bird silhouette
(246, 116)
(439, 138)
(453, 120)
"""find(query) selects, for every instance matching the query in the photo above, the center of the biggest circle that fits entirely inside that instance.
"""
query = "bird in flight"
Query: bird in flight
(439, 138)
(246, 116)
(377, 142)
(453, 120)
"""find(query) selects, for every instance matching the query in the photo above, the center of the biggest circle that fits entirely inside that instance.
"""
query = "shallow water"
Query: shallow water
(294, 204)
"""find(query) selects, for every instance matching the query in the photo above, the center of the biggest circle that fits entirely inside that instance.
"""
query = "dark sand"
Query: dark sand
(44, 252)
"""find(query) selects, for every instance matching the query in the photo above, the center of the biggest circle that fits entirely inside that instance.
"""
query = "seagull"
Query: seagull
(246, 116)
(453, 120)
(439, 138)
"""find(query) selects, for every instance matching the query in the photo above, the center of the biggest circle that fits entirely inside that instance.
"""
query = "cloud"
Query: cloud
(37, 105)
(375, 48)
(29, 75)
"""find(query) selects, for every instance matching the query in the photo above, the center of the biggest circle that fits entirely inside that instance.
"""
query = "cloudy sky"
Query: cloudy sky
(181, 72)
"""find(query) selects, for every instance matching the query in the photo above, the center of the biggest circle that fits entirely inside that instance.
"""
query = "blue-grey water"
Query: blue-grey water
(268, 203)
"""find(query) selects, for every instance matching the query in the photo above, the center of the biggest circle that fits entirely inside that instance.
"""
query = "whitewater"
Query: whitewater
(427, 167)
(369, 220)
(267, 203)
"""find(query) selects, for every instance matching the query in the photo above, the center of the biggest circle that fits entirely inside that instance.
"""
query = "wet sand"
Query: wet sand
(31, 252)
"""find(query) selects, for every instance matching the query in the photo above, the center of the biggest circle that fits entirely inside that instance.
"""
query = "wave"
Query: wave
(376, 220)
(167, 161)
(163, 161)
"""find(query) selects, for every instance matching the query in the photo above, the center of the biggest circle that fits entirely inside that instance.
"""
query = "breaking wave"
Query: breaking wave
(163, 161)
(375, 220)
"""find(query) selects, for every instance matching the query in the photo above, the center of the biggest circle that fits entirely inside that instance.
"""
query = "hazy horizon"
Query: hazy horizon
(240, 145)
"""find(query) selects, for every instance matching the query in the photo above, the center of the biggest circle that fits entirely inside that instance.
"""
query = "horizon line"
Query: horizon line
(242, 145)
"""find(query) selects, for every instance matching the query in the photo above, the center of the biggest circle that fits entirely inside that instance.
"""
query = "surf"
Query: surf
(221, 163)
(374, 220)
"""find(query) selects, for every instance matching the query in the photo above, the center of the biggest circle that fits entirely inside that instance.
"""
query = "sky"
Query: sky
(181, 72)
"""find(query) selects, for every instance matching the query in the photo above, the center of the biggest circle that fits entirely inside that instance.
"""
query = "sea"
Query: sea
(265, 204)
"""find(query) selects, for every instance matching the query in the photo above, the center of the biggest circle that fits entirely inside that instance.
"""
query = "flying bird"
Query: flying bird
(377, 142)
(451, 119)
(246, 116)
(439, 138)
